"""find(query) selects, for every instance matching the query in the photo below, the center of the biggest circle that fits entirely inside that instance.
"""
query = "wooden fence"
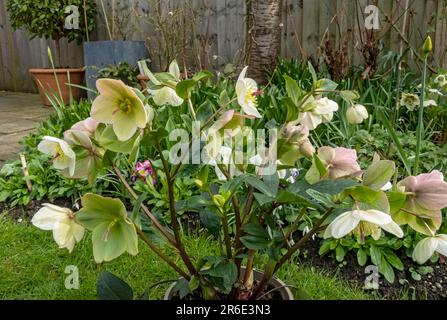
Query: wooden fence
(217, 30)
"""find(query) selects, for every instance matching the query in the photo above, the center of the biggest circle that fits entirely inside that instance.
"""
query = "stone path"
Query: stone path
(20, 114)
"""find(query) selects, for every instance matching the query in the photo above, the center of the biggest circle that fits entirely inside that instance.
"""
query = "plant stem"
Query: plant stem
(159, 253)
(226, 235)
(420, 128)
(173, 213)
(249, 268)
(191, 109)
(148, 213)
(289, 254)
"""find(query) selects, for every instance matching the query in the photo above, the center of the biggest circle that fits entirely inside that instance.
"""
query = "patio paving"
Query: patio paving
(20, 114)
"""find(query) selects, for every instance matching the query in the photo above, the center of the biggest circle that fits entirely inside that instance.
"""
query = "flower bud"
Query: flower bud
(428, 46)
(219, 200)
(199, 183)
(356, 114)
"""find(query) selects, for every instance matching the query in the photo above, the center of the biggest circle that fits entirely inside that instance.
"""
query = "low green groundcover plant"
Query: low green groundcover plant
(247, 166)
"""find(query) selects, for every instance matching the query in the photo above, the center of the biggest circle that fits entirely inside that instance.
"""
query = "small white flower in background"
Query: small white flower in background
(441, 80)
(428, 246)
(167, 95)
(20, 220)
(430, 103)
(63, 156)
(66, 232)
(215, 57)
(306, 230)
(348, 221)
(410, 101)
(247, 91)
(317, 111)
(293, 174)
(435, 92)
(356, 114)
(171, 13)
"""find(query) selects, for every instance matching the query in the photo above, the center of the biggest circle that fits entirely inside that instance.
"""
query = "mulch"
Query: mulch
(432, 286)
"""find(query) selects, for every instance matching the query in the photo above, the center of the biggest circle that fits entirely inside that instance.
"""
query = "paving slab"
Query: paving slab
(20, 114)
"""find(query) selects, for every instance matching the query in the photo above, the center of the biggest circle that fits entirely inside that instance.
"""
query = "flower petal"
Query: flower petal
(47, 217)
(425, 249)
(103, 109)
(112, 88)
(343, 224)
(124, 126)
(373, 216)
(393, 228)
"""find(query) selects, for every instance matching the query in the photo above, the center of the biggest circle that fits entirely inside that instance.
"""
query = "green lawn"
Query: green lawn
(32, 267)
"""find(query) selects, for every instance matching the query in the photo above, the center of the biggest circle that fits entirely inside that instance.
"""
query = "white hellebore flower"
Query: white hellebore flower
(410, 101)
(356, 114)
(441, 80)
(430, 103)
(66, 232)
(246, 91)
(348, 221)
(428, 246)
(63, 156)
(167, 95)
(317, 111)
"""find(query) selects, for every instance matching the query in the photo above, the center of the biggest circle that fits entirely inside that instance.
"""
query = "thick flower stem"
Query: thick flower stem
(420, 128)
(173, 213)
(145, 209)
(191, 109)
(265, 280)
(162, 256)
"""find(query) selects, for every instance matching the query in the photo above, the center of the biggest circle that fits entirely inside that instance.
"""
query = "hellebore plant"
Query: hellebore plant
(254, 175)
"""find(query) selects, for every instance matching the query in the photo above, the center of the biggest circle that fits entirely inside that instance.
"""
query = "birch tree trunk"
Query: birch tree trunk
(263, 38)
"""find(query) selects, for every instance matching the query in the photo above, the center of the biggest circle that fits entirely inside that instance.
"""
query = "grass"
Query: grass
(32, 267)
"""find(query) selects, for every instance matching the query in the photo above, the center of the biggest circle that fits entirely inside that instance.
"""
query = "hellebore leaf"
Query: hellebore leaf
(110, 287)
(183, 88)
(293, 90)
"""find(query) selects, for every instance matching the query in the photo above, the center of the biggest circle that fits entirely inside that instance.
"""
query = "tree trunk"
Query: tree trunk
(263, 38)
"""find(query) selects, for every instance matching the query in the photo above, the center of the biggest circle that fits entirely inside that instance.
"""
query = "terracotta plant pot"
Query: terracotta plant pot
(45, 80)
(283, 290)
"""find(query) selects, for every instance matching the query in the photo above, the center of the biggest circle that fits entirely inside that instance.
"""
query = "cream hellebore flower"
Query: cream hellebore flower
(62, 154)
(428, 246)
(441, 80)
(348, 221)
(66, 232)
(430, 103)
(119, 106)
(247, 91)
(317, 111)
(167, 95)
(340, 162)
(356, 114)
(410, 101)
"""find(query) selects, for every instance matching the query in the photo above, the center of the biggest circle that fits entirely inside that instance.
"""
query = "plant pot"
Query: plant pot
(283, 290)
(47, 79)
(99, 54)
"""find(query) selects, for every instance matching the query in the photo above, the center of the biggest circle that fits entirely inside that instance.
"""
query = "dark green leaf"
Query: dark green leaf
(110, 287)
